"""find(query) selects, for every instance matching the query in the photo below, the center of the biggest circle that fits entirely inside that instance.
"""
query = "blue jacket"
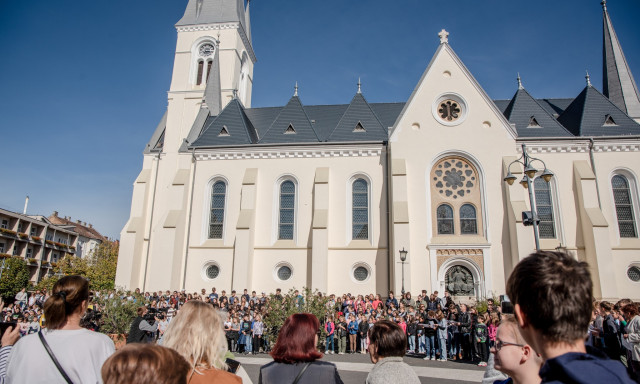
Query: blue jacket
(591, 367)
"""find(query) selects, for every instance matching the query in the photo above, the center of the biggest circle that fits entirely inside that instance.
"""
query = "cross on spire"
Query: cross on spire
(444, 36)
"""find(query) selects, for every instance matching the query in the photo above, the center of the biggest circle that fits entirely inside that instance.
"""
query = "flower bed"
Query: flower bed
(49, 242)
(32, 260)
(4, 255)
(23, 235)
(36, 238)
(8, 231)
(45, 263)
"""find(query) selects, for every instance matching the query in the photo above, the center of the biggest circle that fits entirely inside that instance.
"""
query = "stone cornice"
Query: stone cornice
(220, 26)
(582, 146)
(289, 153)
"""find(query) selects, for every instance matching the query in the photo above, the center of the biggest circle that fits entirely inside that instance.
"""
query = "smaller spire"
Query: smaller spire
(604, 5)
(520, 86)
(359, 86)
(235, 94)
(295, 93)
(587, 76)
(444, 36)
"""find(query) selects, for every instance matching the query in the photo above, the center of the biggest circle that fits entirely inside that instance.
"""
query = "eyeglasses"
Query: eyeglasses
(500, 344)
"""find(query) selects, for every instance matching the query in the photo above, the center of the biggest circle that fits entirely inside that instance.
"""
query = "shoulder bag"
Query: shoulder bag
(53, 357)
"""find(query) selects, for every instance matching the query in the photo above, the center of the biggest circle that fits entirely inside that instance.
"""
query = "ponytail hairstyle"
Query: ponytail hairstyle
(66, 297)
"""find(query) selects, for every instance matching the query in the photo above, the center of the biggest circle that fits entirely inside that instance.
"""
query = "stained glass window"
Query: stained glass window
(284, 273)
(360, 210)
(624, 206)
(361, 273)
(468, 224)
(445, 220)
(287, 210)
(216, 221)
(634, 273)
(200, 70)
(213, 271)
(544, 206)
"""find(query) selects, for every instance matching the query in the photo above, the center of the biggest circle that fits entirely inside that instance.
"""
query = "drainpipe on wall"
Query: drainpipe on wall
(390, 255)
(593, 168)
(186, 252)
(153, 203)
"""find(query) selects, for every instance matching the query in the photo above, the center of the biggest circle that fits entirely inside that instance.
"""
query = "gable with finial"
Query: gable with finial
(358, 123)
(291, 126)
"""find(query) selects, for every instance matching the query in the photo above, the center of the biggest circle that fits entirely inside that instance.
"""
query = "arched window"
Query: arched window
(624, 206)
(544, 207)
(360, 210)
(287, 210)
(445, 220)
(204, 57)
(468, 224)
(216, 220)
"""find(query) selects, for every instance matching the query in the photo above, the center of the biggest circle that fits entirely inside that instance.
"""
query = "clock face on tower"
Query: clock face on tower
(206, 50)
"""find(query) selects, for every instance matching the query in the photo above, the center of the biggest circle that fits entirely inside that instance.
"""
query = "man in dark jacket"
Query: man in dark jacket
(464, 325)
(552, 294)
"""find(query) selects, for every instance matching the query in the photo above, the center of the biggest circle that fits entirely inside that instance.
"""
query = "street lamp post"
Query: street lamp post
(527, 182)
(403, 258)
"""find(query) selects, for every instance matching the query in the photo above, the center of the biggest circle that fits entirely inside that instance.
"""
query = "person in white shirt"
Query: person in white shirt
(80, 352)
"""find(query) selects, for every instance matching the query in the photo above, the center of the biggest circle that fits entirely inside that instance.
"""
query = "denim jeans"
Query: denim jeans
(430, 346)
(443, 348)
(421, 345)
(329, 346)
(412, 343)
(248, 347)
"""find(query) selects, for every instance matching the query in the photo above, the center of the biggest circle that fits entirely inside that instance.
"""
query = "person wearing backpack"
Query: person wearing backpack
(330, 328)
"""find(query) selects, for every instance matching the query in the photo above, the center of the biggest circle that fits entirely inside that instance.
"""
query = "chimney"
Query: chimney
(90, 226)
(55, 213)
(26, 202)
(79, 222)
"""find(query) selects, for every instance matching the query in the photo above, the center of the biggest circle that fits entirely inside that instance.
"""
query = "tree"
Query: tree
(280, 308)
(15, 276)
(102, 266)
(118, 312)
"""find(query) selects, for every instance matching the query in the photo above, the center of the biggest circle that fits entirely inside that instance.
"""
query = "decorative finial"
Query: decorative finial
(444, 36)
(520, 82)
(588, 79)
(296, 89)
(604, 5)
(235, 94)
(359, 84)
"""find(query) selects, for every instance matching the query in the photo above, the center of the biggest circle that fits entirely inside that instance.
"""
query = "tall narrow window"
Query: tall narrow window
(216, 221)
(287, 210)
(200, 69)
(468, 224)
(544, 206)
(624, 206)
(360, 210)
(208, 69)
(445, 220)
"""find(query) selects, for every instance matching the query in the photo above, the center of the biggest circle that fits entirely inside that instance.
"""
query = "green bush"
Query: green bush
(15, 276)
(117, 313)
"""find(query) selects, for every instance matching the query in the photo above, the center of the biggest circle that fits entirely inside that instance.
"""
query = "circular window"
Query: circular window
(450, 109)
(634, 273)
(361, 273)
(284, 273)
(206, 50)
(213, 271)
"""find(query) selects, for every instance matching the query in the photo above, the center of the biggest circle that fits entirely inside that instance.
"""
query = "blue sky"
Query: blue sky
(83, 83)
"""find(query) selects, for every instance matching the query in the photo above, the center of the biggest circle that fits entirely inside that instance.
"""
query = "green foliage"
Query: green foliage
(15, 276)
(47, 283)
(102, 266)
(280, 308)
(117, 313)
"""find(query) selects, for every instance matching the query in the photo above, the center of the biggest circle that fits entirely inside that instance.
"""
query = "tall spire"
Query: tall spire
(212, 92)
(617, 81)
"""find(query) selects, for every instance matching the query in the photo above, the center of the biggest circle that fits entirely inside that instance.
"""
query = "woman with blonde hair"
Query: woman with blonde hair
(197, 334)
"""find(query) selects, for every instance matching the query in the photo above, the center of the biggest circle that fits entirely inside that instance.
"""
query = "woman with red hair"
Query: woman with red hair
(295, 356)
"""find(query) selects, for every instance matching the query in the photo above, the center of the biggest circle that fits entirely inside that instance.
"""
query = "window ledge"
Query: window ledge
(458, 239)
(628, 243)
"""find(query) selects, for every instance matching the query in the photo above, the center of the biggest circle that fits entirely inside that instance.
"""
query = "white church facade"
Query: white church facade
(328, 196)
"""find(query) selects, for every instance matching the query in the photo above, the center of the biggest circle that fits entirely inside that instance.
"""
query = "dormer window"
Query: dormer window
(533, 123)
(608, 121)
(290, 130)
(224, 131)
(359, 128)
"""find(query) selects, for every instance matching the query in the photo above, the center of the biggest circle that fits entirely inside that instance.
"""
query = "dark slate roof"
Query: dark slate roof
(335, 123)
(231, 127)
(213, 11)
(358, 122)
(531, 119)
(587, 114)
(291, 126)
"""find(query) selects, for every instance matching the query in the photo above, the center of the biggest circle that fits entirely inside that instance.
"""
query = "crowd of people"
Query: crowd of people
(203, 327)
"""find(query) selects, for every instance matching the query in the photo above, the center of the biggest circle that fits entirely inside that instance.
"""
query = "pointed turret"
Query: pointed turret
(212, 92)
(292, 125)
(618, 83)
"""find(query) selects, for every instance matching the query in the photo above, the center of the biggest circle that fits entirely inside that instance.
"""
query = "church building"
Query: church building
(371, 197)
